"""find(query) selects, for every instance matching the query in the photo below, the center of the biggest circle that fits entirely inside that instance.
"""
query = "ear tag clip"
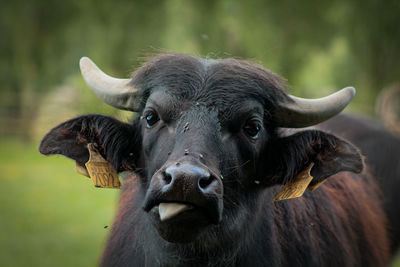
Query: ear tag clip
(81, 169)
(99, 170)
(315, 186)
(296, 187)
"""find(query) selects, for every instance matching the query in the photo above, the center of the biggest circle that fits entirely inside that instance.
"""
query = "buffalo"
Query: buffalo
(214, 175)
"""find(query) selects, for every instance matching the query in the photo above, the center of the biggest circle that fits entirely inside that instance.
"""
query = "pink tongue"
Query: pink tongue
(170, 210)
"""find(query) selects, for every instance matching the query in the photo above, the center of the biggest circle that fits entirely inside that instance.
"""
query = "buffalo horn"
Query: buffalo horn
(115, 92)
(300, 112)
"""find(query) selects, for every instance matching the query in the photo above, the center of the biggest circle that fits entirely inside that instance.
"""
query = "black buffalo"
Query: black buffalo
(207, 155)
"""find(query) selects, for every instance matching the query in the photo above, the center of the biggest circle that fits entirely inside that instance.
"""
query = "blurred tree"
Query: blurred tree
(29, 52)
(43, 41)
(320, 45)
(372, 29)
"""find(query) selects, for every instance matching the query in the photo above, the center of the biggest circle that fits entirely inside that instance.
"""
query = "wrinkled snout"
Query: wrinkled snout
(185, 186)
(184, 197)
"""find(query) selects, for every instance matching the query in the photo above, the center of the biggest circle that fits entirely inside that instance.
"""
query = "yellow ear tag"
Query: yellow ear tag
(101, 171)
(296, 187)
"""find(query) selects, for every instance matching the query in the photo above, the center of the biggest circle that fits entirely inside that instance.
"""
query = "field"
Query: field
(50, 215)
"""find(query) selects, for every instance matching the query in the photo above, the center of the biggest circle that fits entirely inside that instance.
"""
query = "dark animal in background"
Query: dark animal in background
(382, 153)
(209, 156)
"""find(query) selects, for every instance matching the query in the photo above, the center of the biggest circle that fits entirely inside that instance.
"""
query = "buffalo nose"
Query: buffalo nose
(187, 176)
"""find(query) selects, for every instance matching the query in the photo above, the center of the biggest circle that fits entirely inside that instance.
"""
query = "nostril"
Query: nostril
(167, 178)
(204, 182)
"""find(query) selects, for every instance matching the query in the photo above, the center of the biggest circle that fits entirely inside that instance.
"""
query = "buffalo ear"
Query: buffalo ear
(117, 142)
(291, 155)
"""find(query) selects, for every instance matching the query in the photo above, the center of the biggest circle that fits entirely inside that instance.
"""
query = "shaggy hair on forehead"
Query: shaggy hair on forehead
(222, 83)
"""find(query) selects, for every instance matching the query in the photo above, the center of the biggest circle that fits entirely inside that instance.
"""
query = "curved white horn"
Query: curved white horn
(301, 112)
(115, 92)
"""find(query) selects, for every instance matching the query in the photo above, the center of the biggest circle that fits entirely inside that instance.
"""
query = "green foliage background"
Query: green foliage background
(50, 215)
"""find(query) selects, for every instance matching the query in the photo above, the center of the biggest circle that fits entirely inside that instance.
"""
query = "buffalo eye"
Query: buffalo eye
(252, 128)
(151, 118)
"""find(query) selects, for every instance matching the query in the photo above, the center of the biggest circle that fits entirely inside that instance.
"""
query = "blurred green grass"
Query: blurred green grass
(50, 215)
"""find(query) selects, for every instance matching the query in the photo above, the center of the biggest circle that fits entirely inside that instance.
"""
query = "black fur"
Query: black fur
(381, 150)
